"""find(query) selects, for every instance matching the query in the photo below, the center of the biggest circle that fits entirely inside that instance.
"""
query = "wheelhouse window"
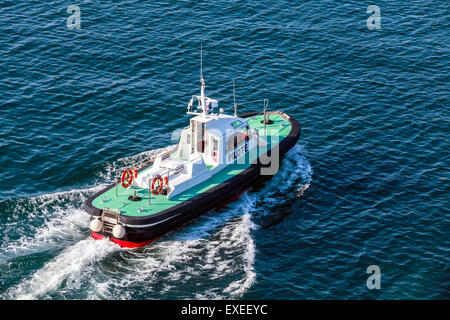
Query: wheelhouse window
(236, 124)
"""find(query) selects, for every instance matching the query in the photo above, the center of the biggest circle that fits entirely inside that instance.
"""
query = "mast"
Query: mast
(202, 81)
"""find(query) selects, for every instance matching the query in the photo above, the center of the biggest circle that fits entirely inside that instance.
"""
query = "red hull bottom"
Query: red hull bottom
(124, 244)
(128, 244)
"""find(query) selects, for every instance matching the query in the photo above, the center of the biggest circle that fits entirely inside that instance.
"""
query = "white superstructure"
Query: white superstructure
(211, 142)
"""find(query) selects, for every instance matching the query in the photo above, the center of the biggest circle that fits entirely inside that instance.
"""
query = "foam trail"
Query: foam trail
(239, 287)
(161, 270)
(219, 261)
(52, 220)
(45, 222)
(295, 169)
(71, 264)
(291, 181)
(216, 251)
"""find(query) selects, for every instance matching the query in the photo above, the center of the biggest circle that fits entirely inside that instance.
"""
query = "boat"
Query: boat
(218, 157)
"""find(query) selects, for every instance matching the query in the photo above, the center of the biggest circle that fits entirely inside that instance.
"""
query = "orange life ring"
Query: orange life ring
(159, 180)
(127, 178)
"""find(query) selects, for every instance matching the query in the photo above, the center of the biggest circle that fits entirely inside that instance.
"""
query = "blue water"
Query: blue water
(367, 183)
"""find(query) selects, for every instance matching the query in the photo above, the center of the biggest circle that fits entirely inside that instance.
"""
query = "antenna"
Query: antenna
(234, 98)
(201, 60)
(202, 81)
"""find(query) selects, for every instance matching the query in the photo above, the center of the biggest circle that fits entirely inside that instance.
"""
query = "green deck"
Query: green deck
(160, 202)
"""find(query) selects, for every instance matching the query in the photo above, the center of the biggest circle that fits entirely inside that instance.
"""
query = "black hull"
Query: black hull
(144, 229)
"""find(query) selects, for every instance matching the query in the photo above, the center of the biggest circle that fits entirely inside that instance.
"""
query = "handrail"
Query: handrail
(154, 158)
(164, 173)
(184, 164)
